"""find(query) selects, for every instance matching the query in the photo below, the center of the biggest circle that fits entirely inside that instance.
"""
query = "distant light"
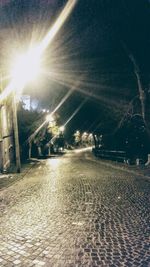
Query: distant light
(83, 149)
(49, 118)
(62, 128)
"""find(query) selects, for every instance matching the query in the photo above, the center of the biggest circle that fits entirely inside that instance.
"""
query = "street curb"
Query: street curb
(119, 167)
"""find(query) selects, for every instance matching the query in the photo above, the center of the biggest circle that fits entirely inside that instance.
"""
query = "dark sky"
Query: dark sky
(87, 54)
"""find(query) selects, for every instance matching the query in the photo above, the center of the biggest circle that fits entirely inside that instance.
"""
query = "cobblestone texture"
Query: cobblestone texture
(8, 179)
(73, 211)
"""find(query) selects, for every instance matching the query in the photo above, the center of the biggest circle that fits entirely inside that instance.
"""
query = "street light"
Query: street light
(62, 128)
(49, 118)
(25, 65)
(26, 68)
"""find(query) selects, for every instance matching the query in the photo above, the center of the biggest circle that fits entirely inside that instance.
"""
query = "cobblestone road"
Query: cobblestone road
(74, 211)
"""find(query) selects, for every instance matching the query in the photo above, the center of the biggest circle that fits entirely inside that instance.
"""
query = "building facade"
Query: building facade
(7, 144)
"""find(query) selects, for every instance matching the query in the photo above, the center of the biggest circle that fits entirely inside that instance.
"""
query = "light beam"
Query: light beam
(75, 112)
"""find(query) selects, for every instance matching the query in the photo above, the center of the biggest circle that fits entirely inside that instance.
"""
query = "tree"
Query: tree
(134, 34)
(141, 89)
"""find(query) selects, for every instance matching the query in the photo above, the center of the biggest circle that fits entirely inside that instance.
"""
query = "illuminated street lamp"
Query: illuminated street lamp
(84, 138)
(26, 68)
(49, 118)
(61, 129)
(77, 138)
(77, 133)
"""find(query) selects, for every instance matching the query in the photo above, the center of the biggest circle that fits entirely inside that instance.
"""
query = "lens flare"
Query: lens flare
(27, 66)
(58, 24)
(75, 112)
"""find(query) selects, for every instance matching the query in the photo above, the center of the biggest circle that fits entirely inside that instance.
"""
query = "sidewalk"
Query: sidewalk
(140, 170)
(8, 179)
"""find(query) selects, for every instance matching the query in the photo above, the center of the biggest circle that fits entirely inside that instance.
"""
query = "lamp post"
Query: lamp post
(27, 65)
(16, 136)
(24, 70)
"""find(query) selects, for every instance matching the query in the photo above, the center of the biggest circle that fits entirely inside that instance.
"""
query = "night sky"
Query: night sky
(88, 54)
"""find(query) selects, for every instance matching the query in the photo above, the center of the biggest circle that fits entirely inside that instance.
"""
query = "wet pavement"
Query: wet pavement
(74, 211)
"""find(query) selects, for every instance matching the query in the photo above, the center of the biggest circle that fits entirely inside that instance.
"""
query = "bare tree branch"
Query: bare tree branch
(138, 77)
